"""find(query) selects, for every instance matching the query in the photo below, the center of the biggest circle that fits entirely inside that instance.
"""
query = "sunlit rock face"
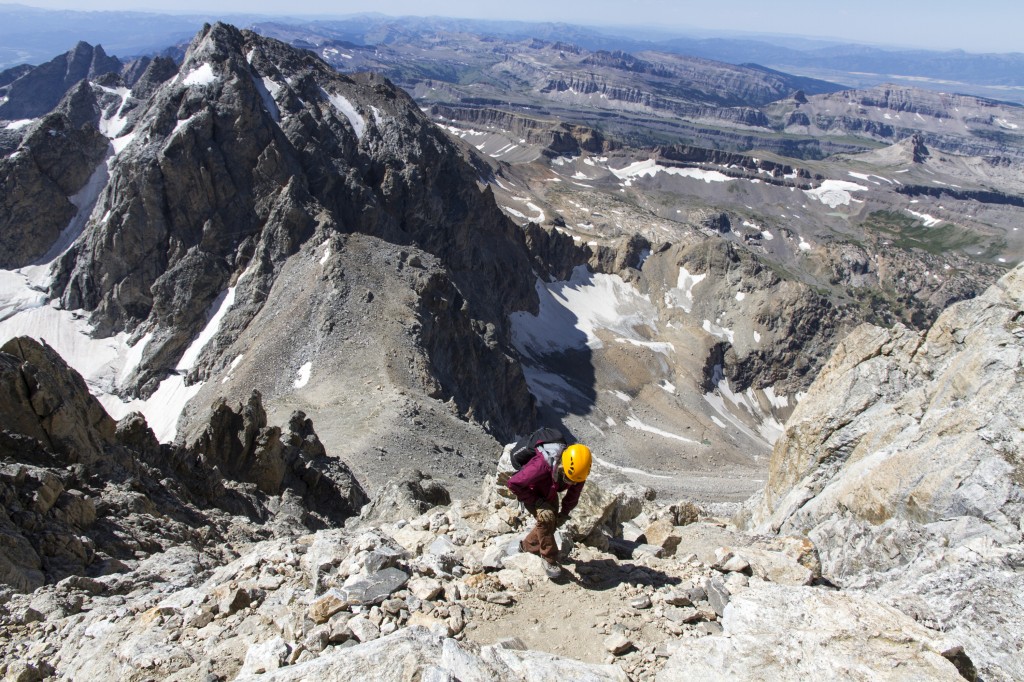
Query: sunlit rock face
(903, 465)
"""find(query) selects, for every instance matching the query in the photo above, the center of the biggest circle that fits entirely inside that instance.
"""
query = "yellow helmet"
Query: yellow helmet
(576, 462)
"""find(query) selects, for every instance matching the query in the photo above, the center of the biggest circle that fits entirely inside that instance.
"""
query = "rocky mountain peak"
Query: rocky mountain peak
(193, 199)
(39, 90)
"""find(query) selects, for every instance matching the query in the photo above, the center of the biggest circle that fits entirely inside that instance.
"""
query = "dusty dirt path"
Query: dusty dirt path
(575, 615)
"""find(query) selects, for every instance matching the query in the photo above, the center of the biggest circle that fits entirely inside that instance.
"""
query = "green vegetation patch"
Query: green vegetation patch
(910, 233)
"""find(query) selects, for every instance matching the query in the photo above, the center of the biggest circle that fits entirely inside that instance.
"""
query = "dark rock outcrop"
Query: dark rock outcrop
(83, 495)
(800, 324)
(37, 183)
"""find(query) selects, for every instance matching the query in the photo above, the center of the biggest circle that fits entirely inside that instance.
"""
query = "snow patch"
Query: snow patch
(778, 402)
(345, 107)
(541, 217)
(102, 362)
(203, 75)
(650, 168)
(630, 470)
(119, 143)
(656, 346)
(835, 193)
(721, 332)
(586, 303)
(133, 357)
(635, 423)
(182, 124)
(769, 429)
(302, 376)
(268, 90)
(682, 295)
(85, 201)
(218, 310)
(234, 364)
(928, 220)
(21, 123)
(113, 125)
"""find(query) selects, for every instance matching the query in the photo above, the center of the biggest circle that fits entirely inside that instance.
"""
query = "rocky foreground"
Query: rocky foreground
(886, 545)
(445, 595)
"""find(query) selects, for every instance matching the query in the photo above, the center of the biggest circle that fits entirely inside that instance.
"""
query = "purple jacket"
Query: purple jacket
(535, 483)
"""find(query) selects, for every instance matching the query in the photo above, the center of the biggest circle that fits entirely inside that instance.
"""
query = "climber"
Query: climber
(553, 469)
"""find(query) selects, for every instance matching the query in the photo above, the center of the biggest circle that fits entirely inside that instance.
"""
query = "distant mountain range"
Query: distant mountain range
(31, 35)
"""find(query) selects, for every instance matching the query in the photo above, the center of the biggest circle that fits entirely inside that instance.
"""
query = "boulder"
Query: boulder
(792, 633)
(663, 534)
(412, 494)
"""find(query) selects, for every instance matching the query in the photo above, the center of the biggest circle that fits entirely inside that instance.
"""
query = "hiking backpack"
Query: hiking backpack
(525, 448)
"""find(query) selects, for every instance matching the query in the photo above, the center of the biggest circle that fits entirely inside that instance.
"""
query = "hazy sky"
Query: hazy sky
(972, 25)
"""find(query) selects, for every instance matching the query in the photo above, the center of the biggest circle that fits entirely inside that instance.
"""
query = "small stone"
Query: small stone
(363, 629)
(393, 606)
(500, 598)
(641, 602)
(374, 588)
(321, 610)
(736, 581)
(686, 614)
(232, 600)
(710, 628)
(339, 630)
(426, 589)
(430, 622)
(317, 640)
(696, 594)
(617, 643)
(677, 599)
(648, 550)
(264, 657)
(718, 595)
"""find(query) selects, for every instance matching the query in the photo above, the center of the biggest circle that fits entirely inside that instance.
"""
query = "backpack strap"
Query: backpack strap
(552, 454)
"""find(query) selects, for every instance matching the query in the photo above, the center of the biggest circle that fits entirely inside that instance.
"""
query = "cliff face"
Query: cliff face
(905, 465)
